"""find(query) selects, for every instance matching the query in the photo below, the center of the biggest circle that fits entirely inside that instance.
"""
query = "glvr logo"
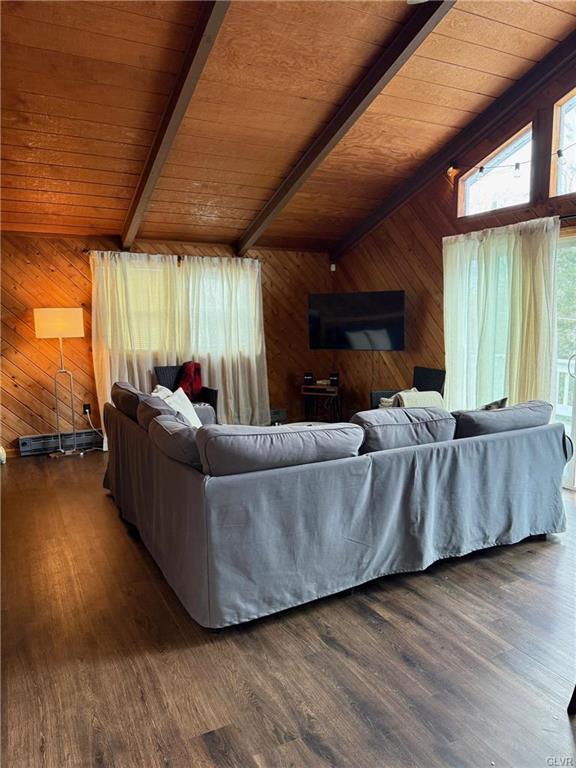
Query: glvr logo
(561, 762)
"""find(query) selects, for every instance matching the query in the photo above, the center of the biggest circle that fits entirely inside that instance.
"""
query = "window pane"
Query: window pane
(566, 333)
(566, 174)
(566, 297)
(504, 180)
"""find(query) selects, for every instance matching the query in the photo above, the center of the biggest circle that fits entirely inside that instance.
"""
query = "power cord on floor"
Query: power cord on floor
(89, 418)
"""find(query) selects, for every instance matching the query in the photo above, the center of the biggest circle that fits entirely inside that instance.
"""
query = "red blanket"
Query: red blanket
(190, 379)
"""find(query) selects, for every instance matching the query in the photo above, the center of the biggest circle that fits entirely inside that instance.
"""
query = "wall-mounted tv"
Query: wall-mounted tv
(361, 321)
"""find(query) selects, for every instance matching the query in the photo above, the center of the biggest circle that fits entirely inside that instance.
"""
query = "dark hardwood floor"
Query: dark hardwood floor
(469, 664)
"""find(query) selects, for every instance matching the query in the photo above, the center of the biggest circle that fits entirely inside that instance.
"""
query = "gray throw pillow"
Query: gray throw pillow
(232, 450)
(126, 398)
(387, 428)
(495, 404)
(149, 407)
(534, 413)
(176, 439)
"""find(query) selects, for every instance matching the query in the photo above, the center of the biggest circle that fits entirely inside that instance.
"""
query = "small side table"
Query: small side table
(321, 403)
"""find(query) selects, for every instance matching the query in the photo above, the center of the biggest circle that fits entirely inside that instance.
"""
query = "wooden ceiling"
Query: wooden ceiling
(476, 53)
(274, 78)
(85, 85)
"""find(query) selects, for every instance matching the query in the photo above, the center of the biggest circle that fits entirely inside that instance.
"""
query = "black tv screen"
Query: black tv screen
(367, 321)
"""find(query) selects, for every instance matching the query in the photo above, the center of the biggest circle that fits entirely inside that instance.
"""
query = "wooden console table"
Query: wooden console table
(321, 403)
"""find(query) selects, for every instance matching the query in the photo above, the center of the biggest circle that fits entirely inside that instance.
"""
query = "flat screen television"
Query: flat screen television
(361, 321)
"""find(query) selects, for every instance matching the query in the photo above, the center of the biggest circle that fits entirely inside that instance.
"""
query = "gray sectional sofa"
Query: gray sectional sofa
(247, 521)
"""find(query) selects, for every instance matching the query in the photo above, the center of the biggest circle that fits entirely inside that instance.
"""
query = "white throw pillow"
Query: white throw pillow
(180, 402)
(163, 392)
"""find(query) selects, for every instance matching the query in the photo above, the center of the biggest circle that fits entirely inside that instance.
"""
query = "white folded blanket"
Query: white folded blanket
(412, 398)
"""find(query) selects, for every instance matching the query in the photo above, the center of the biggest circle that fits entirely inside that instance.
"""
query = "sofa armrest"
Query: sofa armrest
(568, 447)
(210, 396)
(206, 413)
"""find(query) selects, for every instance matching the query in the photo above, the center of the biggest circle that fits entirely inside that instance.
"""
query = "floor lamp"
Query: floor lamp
(61, 323)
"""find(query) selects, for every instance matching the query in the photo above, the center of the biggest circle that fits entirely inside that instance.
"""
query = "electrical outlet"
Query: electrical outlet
(86, 409)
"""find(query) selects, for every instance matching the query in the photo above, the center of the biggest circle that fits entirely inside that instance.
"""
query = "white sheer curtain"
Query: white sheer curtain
(500, 314)
(152, 310)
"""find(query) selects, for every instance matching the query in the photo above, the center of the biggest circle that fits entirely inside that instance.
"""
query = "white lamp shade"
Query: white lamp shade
(59, 323)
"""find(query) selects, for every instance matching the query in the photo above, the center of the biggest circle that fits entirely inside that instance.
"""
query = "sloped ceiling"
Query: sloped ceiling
(85, 85)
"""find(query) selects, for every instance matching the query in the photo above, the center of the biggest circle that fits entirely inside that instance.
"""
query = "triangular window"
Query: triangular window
(501, 180)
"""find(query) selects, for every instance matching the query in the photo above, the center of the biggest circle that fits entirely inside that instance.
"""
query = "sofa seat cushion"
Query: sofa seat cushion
(386, 428)
(127, 398)
(233, 450)
(176, 438)
(534, 413)
(150, 407)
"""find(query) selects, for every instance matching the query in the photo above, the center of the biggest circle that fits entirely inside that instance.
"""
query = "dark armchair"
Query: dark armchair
(429, 379)
(167, 376)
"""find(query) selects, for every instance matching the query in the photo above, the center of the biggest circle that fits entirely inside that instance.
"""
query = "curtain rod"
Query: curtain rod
(180, 256)
(564, 217)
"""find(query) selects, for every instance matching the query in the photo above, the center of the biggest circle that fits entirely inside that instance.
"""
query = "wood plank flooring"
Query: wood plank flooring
(469, 664)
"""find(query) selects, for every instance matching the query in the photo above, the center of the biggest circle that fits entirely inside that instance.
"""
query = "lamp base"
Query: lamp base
(61, 454)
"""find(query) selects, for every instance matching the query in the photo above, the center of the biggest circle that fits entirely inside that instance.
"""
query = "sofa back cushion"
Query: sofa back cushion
(126, 398)
(233, 450)
(534, 413)
(175, 438)
(386, 428)
(149, 408)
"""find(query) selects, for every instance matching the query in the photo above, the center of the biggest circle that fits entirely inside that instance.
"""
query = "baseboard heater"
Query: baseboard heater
(35, 445)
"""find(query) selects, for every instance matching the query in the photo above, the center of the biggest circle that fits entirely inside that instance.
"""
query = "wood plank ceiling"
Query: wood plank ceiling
(475, 54)
(85, 85)
(275, 76)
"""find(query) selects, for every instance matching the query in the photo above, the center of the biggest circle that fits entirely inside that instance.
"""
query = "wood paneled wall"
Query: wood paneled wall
(54, 271)
(405, 253)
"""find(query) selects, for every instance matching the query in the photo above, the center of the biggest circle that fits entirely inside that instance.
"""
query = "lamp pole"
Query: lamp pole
(62, 371)
(61, 323)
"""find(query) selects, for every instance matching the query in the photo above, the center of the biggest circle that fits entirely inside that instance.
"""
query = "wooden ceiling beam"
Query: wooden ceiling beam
(559, 60)
(420, 24)
(194, 63)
